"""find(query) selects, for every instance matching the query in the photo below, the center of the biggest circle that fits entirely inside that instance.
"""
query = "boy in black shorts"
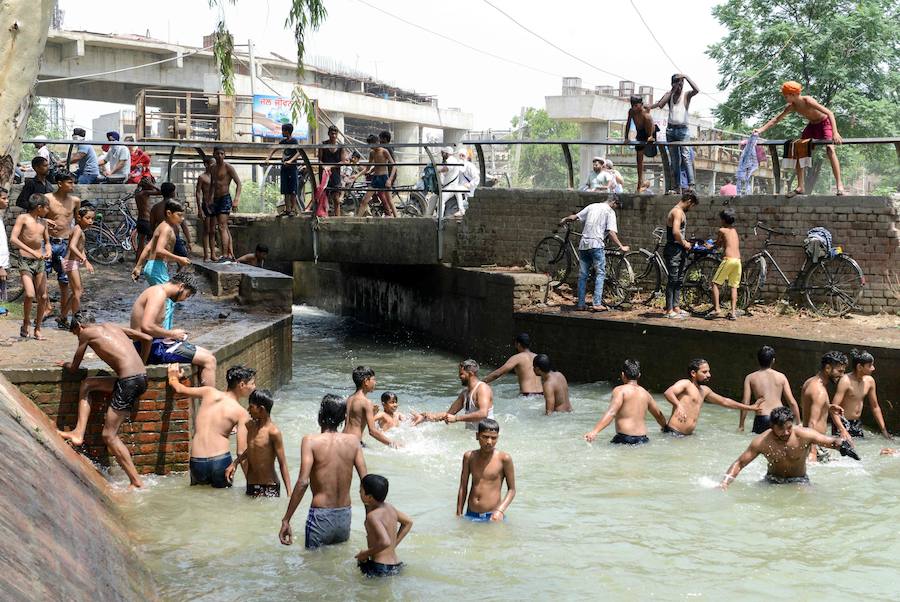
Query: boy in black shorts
(142, 195)
(264, 445)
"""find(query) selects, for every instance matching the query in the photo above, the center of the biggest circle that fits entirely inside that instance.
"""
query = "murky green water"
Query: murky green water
(588, 522)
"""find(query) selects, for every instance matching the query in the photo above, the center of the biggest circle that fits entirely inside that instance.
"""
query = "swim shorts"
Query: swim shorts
(167, 351)
(59, 248)
(854, 427)
(207, 210)
(479, 517)
(380, 181)
(143, 227)
(31, 266)
(540, 394)
(289, 179)
(210, 471)
(270, 490)
(222, 205)
(156, 272)
(675, 433)
(370, 568)
(643, 136)
(630, 439)
(180, 248)
(818, 131)
(127, 391)
(326, 526)
(729, 271)
(774, 480)
(761, 424)
(71, 265)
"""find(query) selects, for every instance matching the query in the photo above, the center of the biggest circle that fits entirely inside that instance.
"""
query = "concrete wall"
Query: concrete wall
(61, 537)
(503, 226)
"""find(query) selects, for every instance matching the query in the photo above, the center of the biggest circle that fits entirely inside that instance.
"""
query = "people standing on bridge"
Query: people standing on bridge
(599, 180)
(675, 253)
(822, 126)
(330, 160)
(222, 175)
(728, 188)
(116, 161)
(645, 131)
(449, 170)
(852, 392)
(140, 162)
(469, 177)
(88, 172)
(678, 100)
(290, 173)
(599, 222)
(521, 363)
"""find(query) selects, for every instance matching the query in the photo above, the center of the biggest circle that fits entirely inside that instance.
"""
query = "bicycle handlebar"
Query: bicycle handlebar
(762, 226)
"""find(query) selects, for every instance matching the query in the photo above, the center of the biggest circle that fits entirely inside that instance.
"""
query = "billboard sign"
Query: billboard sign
(271, 112)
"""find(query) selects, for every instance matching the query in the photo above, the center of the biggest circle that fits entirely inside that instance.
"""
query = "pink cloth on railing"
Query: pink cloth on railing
(321, 196)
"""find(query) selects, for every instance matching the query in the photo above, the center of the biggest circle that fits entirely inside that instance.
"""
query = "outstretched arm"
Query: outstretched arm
(76, 360)
(745, 458)
(788, 109)
(175, 376)
(506, 368)
(713, 397)
(745, 399)
(485, 400)
(614, 404)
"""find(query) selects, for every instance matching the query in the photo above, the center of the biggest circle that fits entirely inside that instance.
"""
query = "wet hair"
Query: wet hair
(82, 211)
(375, 485)
(631, 369)
(207, 160)
(689, 196)
(174, 206)
(81, 318)
(79, 132)
(239, 374)
(371, 139)
(728, 216)
(765, 356)
(470, 366)
(384, 136)
(542, 362)
(62, 176)
(524, 340)
(834, 358)
(262, 398)
(37, 161)
(780, 415)
(187, 279)
(261, 248)
(35, 201)
(218, 148)
(388, 396)
(332, 411)
(636, 100)
(489, 424)
(695, 364)
(287, 127)
(167, 189)
(360, 374)
(858, 357)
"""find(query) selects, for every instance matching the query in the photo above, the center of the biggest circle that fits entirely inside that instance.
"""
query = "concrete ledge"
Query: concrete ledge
(264, 290)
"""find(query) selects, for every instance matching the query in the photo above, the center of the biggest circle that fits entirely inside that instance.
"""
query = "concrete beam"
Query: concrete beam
(72, 50)
(178, 63)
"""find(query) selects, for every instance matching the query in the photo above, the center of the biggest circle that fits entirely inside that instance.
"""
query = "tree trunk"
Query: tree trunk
(24, 25)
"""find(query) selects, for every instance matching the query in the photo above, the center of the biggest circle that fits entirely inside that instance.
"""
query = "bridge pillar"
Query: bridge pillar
(452, 136)
(591, 130)
(407, 133)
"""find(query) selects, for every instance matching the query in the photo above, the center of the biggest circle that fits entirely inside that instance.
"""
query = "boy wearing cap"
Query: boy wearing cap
(822, 126)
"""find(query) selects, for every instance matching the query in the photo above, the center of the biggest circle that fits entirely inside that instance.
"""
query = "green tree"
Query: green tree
(541, 165)
(845, 53)
(38, 125)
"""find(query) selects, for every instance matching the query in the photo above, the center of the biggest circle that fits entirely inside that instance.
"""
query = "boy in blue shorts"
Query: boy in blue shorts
(488, 468)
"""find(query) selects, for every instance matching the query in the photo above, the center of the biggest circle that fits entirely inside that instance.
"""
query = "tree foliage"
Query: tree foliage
(38, 125)
(845, 53)
(542, 165)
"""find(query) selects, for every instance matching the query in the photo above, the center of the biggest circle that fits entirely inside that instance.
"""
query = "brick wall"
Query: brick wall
(503, 226)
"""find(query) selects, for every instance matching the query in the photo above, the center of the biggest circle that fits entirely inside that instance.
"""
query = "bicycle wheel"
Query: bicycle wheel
(413, 206)
(619, 279)
(552, 258)
(647, 282)
(101, 246)
(833, 286)
(753, 277)
(696, 293)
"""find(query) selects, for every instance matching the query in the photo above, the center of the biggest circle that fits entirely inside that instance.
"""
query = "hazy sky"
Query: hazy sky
(605, 34)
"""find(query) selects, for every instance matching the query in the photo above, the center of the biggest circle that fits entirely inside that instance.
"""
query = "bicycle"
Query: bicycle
(831, 286)
(407, 201)
(553, 256)
(106, 246)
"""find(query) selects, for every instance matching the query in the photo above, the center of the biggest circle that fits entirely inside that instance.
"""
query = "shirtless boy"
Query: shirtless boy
(114, 345)
(388, 417)
(380, 161)
(521, 362)
(822, 126)
(203, 194)
(150, 315)
(60, 217)
(815, 403)
(645, 130)
(360, 411)
(488, 467)
(153, 261)
(327, 461)
(257, 258)
(769, 385)
(729, 270)
(687, 397)
(30, 236)
(628, 406)
(853, 390)
(145, 190)
(475, 401)
(786, 448)
(264, 445)
(219, 413)
(556, 387)
(222, 174)
(382, 534)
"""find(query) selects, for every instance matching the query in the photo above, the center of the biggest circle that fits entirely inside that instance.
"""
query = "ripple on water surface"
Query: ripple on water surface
(630, 523)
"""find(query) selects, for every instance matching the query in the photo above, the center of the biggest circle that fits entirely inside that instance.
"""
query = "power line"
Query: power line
(173, 58)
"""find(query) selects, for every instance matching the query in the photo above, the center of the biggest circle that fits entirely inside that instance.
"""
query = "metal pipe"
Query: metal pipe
(440, 206)
(776, 167)
(483, 171)
(570, 170)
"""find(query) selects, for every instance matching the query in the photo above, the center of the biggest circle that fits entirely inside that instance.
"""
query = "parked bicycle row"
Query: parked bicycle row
(685, 276)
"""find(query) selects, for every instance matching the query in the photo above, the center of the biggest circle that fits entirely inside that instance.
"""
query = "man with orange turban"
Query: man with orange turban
(822, 126)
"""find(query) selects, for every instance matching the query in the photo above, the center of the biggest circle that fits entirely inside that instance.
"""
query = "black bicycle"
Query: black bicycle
(555, 255)
(407, 201)
(830, 286)
(105, 245)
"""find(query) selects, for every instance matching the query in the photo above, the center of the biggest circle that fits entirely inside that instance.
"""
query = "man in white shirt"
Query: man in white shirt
(449, 170)
(116, 163)
(600, 179)
(40, 148)
(469, 178)
(599, 220)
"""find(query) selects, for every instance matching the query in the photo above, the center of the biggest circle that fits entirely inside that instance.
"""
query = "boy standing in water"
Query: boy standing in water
(628, 407)
(382, 535)
(816, 404)
(556, 387)
(769, 385)
(264, 446)
(488, 468)
(389, 417)
(360, 412)
(729, 271)
(853, 389)
(30, 236)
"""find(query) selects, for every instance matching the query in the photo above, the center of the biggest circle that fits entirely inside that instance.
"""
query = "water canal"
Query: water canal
(624, 523)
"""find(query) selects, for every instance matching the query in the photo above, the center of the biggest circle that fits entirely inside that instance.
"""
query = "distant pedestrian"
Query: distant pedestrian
(617, 182)
(140, 163)
(116, 161)
(678, 101)
(449, 171)
(88, 172)
(290, 174)
(599, 179)
(469, 178)
(728, 188)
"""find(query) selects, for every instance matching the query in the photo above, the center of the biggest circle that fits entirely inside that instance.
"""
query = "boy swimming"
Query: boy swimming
(382, 535)
(488, 468)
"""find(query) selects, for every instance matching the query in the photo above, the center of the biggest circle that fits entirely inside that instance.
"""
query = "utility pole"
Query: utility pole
(252, 62)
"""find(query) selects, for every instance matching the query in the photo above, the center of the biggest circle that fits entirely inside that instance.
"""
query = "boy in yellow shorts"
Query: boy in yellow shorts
(730, 269)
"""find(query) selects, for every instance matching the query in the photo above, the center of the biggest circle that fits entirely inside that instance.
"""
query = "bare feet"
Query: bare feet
(37, 334)
(71, 438)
